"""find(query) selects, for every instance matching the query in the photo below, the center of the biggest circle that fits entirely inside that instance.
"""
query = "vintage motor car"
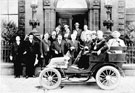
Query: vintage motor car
(106, 69)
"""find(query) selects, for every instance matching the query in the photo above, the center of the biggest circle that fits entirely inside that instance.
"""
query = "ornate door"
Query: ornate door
(64, 21)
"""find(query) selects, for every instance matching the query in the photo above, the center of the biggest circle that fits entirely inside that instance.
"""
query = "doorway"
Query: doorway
(81, 19)
(71, 19)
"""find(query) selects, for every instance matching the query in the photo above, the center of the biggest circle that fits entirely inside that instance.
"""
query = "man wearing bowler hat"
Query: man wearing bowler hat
(77, 31)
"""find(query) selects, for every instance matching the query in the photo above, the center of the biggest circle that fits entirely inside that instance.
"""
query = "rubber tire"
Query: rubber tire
(107, 87)
(46, 86)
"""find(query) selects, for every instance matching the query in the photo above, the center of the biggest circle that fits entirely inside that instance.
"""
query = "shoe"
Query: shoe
(17, 76)
(33, 76)
(26, 77)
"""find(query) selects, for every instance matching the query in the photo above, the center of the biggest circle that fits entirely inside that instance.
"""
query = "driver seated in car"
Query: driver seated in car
(116, 41)
(74, 47)
(83, 62)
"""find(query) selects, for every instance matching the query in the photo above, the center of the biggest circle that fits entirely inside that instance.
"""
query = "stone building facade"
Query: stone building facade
(130, 16)
(52, 12)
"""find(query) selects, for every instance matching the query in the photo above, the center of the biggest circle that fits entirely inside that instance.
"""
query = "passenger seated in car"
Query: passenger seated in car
(83, 62)
(116, 41)
(93, 35)
(99, 44)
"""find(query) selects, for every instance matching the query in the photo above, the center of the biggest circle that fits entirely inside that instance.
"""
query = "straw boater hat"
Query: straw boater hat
(94, 32)
(66, 26)
(116, 34)
(53, 33)
(77, 23)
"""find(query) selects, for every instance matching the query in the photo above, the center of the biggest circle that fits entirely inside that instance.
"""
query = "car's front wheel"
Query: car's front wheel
(50, 78)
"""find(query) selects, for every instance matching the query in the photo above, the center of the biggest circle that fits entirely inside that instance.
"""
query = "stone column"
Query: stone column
(96, 19)
(70, 23)
(53, 19)
(50, 19)
(121, 15)
(94, 15)
(21, 17)
(49, 16)
(90, 19)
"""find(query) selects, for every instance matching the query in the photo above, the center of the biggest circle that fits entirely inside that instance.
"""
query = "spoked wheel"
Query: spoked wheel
(107, 77)
(50, 78)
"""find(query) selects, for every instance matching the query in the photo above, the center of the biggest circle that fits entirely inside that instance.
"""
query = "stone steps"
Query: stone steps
(6, 68)
(129, 69)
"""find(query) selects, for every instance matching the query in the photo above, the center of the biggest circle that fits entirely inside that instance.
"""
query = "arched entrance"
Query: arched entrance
(71, 11)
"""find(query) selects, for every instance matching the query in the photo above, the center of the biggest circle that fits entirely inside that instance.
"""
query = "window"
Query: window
(9, 10)
(130, 3)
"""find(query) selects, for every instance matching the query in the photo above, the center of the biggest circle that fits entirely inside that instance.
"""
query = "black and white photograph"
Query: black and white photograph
(67, 46)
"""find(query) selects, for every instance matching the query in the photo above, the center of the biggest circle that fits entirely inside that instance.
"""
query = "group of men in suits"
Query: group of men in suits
(61, 42)
(56, 45)
(24, 52)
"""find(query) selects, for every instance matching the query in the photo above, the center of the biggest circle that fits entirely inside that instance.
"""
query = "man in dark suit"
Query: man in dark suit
(45, 49)
(31, 51)
(78, 31)
(59, 47)
(17, 55)
(74, 47)
(53, 37)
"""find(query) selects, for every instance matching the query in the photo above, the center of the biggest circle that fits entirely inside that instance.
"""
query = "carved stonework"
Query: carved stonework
(22, 21)
(121, 15)
(21, 17)
(49, 19)
(94, 15)
(96, 3)
(21, 3)
(47, 3)
(121, 22)
(121, 27)
(121, 4)
(21, 9)
(121, 9)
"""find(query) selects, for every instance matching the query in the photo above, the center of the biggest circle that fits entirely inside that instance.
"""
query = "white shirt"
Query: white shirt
(116, 42)
(84, 33)
(18, 42)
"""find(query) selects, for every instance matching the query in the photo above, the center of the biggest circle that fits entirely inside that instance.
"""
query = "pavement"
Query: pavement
(9, 84)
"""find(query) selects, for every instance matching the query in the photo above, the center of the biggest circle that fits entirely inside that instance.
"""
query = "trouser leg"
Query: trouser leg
(30, 67)
(17, 68)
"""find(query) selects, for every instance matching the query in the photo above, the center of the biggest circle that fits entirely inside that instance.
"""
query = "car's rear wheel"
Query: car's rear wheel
(50, 78)
(108, 77)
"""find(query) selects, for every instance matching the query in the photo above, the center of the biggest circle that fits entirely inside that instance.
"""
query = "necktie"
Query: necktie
(118, 42)
(30, 41)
